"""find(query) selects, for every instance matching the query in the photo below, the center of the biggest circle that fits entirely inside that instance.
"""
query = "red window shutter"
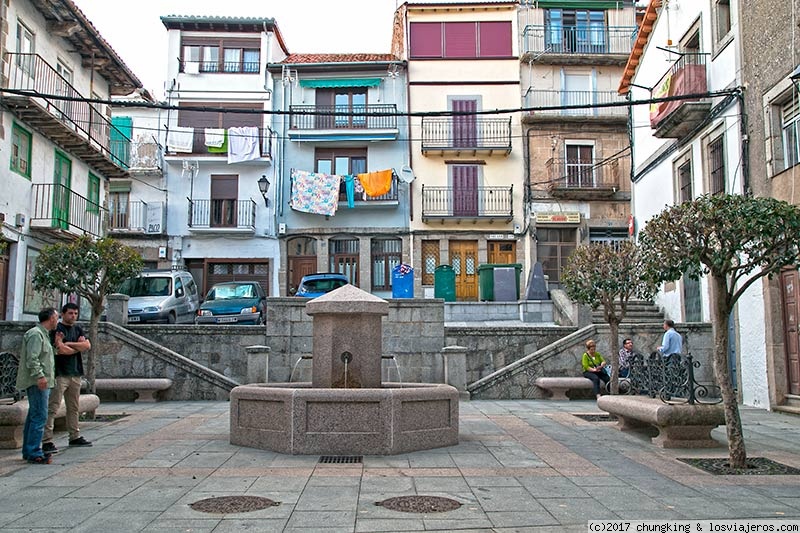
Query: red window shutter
(460, 39)
(426, 39)
(495, 39)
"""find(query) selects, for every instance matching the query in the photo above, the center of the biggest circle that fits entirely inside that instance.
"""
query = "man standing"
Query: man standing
(36, 377)
(672, 343)
(69, 341)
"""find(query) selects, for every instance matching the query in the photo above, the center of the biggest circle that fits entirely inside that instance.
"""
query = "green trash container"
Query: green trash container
(486, 279)
(444, 283)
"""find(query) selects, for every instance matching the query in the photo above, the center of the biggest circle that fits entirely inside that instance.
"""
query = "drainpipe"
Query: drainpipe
(745, 143)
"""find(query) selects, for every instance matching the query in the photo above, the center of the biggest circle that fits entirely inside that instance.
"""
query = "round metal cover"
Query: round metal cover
(232, 504)
(420, 504)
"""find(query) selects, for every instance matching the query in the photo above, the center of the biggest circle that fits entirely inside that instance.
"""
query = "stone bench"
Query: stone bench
(679, 425)
(145, 388)
(12, 418)
(559, 386)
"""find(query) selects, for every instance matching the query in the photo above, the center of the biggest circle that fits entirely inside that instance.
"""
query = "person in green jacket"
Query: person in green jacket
(594, 367)
(36, 376)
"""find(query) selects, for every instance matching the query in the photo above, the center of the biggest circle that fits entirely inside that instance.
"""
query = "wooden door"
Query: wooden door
(465, 127)
(502, 253)
(300, 266)
(465, 191)
(791, 310)
(464, 260)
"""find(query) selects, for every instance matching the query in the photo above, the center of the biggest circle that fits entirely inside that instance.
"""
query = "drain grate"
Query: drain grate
(232, 504)
(756, 466)
(101, 418)
(419, 504)
(595, 417)
(341, 459)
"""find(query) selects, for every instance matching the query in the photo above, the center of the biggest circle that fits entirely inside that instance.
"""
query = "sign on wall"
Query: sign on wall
(155, 218)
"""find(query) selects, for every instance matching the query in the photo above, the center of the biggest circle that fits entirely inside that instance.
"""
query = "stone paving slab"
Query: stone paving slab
(520, 466)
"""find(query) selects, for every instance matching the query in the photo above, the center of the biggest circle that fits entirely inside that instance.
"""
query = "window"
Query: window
(224, 194)
(685, 182)
(790, 130)
(386, 254)
(716, 165)
(430, 260)
(21, 141)
(579, 165)
(220, 55)
(118, 208)
(575, 31)
(722, 18)
(460, 39)
(610, 236)
(344, 258)
(554, 246)
(465, 190)
(346, 102)
(199, 120)
(93, 194)
(26, 48)
(342, 161)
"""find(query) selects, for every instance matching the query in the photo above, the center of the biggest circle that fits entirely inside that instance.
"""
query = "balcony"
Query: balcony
(199, 148)
(137, 155)
(137, 217)
(57, 209)
(481, 203)
(466, 134)
(677, 118)
(376, 122)
(222, 216)
(74, 124)
(577, 44)
(537, 98)
(583, 180)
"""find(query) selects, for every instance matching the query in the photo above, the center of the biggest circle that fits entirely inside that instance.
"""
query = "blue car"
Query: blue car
(314, 285)
(233, 302)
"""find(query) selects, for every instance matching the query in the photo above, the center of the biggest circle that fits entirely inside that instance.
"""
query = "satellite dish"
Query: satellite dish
(406, 174)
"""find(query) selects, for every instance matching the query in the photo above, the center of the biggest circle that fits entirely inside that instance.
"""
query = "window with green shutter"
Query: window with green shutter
(93, 194)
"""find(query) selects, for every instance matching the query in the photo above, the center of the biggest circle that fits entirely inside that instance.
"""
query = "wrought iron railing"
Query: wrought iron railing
(57, 207)
(130, 217)
(466, 132)
(331, 117)
(539, 98)
(9, 363)
(671, 378)
(222, 214)
(467, 203)
(686, 76)
(577, 174)
(199, 145)
(363, 198)
(228, 67)
(30, 72)
(135, 154)
(586, 39)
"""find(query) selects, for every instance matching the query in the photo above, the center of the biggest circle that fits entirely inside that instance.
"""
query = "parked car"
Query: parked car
(161, 296)
(314, 285)
(233, 302)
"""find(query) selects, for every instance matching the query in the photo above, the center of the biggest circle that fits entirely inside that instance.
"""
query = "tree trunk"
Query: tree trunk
(94, 327)
(614, 355)
(719, 322)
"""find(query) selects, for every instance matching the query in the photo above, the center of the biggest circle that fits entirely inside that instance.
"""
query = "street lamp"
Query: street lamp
(263, 186)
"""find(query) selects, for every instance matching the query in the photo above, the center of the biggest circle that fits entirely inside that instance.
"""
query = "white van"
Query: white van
(168, 296)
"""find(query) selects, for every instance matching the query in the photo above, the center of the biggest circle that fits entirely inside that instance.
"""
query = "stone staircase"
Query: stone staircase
(639, 312)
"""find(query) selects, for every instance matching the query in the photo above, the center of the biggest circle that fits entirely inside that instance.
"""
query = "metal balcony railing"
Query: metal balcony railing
(56, 207)
(135, 154)
(333, 117)
(584, 39)
(594, 174)
(30, 72)
(230, 67)
(686, 76)
(466, 132)
(128, 217)
(540, 98)
(480, 202)
(222, 214)
(199, 145)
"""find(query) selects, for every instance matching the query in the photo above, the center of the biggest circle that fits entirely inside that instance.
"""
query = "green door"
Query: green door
(121, 132)
(62, 182)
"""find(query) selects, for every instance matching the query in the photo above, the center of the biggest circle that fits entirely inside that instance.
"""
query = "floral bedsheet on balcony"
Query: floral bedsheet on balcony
(315, 193)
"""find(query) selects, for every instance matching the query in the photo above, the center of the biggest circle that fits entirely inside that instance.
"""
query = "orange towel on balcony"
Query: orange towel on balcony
(376, 183)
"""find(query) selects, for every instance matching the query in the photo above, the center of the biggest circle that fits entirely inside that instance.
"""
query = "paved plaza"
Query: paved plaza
(519, 466)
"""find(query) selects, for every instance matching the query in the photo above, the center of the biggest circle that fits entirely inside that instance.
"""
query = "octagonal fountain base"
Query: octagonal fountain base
(294, 418)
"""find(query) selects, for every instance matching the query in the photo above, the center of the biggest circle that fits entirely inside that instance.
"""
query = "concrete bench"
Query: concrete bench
(559, 386)
(145, 388)
(679, 425)
(12, 418)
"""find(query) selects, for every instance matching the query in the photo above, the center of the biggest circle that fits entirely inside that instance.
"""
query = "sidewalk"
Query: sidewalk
(520, 466)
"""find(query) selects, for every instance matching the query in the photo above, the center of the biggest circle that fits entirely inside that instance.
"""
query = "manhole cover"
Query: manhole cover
(420, 504)
(598, 417)
(101, 418)
(232, 504)
(756, 466)
(341, 459)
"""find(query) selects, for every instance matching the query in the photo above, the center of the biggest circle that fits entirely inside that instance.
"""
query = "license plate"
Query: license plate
(225, 319)
(133, 319)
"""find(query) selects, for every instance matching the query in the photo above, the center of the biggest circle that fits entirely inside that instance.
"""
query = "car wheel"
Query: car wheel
(171, 318)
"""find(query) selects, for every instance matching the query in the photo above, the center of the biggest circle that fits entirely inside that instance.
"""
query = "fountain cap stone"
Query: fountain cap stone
(348, 300)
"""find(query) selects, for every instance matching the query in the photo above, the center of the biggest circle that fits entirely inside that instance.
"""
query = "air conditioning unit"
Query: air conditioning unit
(281, 228)
(19, 220)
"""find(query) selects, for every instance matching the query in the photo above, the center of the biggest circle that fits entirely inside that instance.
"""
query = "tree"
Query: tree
(601, 274)
(91, 269)
(735, 240)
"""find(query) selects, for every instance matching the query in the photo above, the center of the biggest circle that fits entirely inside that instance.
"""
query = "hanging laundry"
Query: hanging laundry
(180, 139)
(191, 67)
(376, 183)
(223, 149)
(315, 193)
(350, 189)
(243, 144)
(215, 137)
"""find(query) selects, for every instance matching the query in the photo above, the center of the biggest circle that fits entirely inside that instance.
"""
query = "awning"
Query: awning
(341, 82)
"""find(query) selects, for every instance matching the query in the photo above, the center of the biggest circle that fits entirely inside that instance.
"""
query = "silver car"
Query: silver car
(167, 296)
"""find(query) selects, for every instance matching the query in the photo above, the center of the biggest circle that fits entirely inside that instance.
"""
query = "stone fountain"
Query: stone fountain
(345, 410)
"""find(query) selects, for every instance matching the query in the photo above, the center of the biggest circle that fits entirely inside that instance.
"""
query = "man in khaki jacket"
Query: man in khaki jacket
(36, 376)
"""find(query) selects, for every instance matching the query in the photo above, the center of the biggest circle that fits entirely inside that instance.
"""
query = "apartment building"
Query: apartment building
(56, 134)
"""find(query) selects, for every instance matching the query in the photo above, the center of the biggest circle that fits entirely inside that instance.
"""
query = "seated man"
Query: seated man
(625, 356)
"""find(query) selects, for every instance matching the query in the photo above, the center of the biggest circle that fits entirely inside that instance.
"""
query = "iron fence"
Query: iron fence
(330, 117)
(55, 206)
(222, 214)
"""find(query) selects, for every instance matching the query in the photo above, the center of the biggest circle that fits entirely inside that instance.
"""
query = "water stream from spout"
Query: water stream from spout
(296, 364)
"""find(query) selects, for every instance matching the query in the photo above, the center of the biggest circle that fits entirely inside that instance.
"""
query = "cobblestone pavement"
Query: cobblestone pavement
(519, 466)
